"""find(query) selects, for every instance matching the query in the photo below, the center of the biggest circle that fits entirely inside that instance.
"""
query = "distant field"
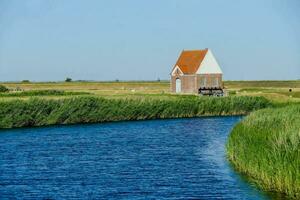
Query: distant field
(107, 89)
(274, 90)
(266, 84)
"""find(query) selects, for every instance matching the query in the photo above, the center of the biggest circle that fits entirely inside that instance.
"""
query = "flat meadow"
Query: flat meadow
(278, 91)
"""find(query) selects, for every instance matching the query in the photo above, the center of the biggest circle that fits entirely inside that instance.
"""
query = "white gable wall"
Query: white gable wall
(175, 69)
(209, 65)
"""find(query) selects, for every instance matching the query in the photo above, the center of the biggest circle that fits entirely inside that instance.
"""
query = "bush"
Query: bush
(3, 88)
(232, 93)
(68, 80)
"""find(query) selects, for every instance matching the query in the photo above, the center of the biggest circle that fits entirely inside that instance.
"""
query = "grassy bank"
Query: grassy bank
(40, 112)
(266, 147)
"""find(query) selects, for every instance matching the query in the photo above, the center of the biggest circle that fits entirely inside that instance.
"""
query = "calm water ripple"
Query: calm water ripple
(159, 159)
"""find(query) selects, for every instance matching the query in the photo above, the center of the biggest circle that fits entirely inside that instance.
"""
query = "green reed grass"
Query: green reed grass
(266, 147)
(40, 112)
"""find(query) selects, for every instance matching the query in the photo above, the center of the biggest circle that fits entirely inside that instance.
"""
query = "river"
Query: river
(155, 159)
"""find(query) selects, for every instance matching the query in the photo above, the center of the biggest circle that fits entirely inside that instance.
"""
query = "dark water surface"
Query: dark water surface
(159, 159)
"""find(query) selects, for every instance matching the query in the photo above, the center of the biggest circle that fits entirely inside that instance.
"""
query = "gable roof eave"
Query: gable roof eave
(176, 67)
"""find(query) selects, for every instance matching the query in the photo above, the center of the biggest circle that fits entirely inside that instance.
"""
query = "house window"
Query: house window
(203, 82)
(216, 82)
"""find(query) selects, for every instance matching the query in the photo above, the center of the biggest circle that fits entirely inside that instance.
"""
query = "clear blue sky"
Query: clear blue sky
(48, 40)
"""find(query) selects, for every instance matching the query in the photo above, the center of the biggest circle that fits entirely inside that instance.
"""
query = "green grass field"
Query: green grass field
(273, 90)
(277, 91)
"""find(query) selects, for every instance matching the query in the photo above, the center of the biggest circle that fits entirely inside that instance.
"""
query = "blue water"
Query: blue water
(157, 159)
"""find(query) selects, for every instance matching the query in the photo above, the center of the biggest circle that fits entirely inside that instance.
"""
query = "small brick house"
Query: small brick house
(195, 69)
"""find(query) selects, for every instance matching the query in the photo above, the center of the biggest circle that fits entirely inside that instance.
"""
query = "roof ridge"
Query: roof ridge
(195, 50)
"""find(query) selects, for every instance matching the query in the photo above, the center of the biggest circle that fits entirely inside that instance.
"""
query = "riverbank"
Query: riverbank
(266, 147)
(73, 110)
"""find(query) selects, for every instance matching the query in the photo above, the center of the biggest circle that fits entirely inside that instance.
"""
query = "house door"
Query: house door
(178, 85)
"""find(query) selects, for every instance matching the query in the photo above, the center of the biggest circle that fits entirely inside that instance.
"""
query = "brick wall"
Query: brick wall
(210, 80)
(188, 83)
(191, 83)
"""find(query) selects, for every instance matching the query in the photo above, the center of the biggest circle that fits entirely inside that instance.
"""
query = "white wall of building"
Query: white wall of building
(209, 65)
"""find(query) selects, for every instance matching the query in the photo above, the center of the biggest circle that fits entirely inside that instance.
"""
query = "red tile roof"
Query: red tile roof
(189, 61)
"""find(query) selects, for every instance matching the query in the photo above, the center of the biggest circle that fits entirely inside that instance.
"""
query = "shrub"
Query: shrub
(232, 93)
(3, 88)
(68, 80)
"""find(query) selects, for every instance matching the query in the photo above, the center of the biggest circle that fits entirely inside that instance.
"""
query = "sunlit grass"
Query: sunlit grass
(266, 147)
(277, 91)
(43, 111)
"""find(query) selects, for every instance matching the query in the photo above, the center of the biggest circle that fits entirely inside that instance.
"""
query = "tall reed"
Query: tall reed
(40, 112)
(266, 147)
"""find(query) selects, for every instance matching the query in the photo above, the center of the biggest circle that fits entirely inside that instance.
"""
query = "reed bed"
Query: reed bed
(266, 147)
(88, 109)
